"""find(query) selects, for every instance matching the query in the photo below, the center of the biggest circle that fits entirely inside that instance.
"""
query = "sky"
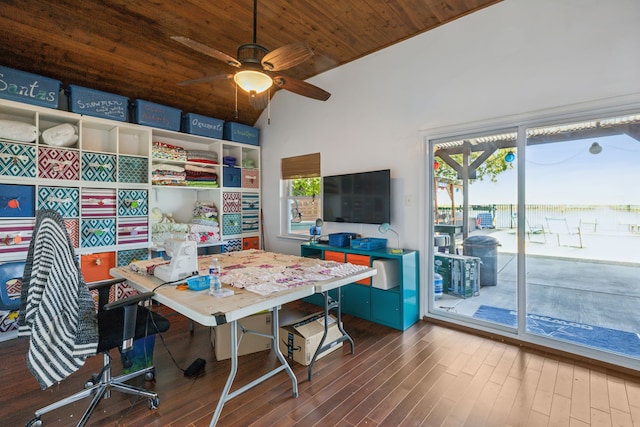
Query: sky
(567, 173)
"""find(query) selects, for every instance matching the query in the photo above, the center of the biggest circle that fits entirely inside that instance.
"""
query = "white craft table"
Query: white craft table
(211, 311)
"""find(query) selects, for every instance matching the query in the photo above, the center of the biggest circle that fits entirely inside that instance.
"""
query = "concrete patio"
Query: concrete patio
(598, 284)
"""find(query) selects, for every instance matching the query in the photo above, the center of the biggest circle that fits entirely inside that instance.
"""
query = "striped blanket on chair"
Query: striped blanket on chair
(56, 309)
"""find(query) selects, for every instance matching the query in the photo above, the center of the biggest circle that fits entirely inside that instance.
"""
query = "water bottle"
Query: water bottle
(437, 286)
(214, 276)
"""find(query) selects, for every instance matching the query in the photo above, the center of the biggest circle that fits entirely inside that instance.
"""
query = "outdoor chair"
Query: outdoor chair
(560, 227)
(536, 230)
(484, 220)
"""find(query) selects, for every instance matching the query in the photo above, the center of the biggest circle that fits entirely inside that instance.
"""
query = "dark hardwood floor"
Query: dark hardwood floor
(429, 375)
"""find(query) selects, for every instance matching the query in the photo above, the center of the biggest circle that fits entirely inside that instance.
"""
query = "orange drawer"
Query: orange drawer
(334, 256)
(360, 260)
(95, 267)
(250, 243)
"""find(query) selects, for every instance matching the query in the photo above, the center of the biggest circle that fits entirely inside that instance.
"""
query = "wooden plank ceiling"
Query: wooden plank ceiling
(124, 46)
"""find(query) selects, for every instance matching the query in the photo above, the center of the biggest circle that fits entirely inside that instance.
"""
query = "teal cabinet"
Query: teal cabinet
(386, 307)
(356, 300)
(396, 307)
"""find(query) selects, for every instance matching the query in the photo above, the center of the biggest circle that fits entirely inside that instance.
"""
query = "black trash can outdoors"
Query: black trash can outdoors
(486, 248)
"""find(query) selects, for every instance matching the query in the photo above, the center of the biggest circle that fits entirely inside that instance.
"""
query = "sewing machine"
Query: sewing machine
(184, 260)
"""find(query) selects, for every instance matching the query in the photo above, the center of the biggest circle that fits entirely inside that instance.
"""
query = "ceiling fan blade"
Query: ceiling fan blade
(301, 88)
(259, 101)
(206, 79)
(286, 57)
(209, 51)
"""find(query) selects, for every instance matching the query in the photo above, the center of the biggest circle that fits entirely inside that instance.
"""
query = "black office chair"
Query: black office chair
(119, 323)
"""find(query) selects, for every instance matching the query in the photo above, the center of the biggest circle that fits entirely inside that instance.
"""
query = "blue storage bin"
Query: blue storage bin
(241, 133)
(21, 86)
(341, 239)
(231, 177)
(369, 243)
(96, 103)
(196, 124)
(17, 200)
(155, 115)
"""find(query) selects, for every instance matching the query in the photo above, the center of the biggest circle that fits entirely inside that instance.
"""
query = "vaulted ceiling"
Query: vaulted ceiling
(125, 46)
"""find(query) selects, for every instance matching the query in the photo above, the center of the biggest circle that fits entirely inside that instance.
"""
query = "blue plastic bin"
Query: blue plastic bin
(96, 103)
(21, 86)
(196, 124)
(155, 115)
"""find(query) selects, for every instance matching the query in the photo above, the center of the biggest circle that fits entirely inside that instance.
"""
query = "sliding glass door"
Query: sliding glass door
(534, 231)
(474, 182)
(583, 196)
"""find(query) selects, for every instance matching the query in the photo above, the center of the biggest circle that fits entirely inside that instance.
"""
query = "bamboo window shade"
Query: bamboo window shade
(306, 166)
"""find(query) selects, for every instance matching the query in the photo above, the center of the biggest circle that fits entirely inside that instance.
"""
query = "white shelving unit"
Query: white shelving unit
(102, 186)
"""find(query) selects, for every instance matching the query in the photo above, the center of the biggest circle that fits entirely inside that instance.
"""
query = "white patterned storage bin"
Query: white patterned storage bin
(250, 223)
(98, 202)
(132, 203)
(250, 203)
(231, 224)
(133, 230)
(125, 258)
(65, 200)
(56, 163)
(15, 235)
(133, 169)
(98, 167)
(231, 202)
(233, 245)
(97, 232)
(17, 160)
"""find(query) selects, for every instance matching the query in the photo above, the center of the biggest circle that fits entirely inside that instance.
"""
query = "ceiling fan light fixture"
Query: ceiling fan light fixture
(251, 80)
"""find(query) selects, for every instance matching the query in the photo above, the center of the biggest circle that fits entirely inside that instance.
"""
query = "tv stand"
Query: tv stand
(397, 307)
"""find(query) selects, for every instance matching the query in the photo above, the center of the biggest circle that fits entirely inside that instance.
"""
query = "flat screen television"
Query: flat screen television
(362, 198)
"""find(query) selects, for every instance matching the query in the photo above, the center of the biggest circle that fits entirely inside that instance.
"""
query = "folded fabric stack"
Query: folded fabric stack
(205, 213)
(202, 156)
(162, 150)
(64, 135)
(204, 227)
(162, 174)
(201, 176)
(166, 230)
(204, 233)
(17, 131)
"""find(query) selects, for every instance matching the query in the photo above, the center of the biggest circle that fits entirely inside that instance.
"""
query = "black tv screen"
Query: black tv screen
(363, 197)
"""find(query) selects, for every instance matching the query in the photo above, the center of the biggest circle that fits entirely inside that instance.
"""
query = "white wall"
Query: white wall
(514, 57)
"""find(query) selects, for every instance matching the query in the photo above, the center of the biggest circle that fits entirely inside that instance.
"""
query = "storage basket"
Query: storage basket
(369, 243)
(341, 239)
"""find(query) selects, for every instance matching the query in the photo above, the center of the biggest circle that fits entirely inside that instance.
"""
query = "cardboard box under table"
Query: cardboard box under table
(247, 342)
(299, 340)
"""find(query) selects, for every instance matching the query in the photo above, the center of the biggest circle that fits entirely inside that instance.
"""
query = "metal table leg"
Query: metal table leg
(226, 395)
(330, 303)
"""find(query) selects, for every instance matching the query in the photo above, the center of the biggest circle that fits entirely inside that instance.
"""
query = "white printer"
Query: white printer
(388, 275)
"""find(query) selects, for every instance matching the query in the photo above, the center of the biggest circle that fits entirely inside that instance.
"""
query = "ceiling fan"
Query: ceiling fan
(257, 65)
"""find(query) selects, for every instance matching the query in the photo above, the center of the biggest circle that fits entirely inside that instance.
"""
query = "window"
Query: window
(300, 194)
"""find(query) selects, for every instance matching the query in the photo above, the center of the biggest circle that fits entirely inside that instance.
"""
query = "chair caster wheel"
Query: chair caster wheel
(92, 381)
(154, 403)
(150, 376)
(34, 422)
